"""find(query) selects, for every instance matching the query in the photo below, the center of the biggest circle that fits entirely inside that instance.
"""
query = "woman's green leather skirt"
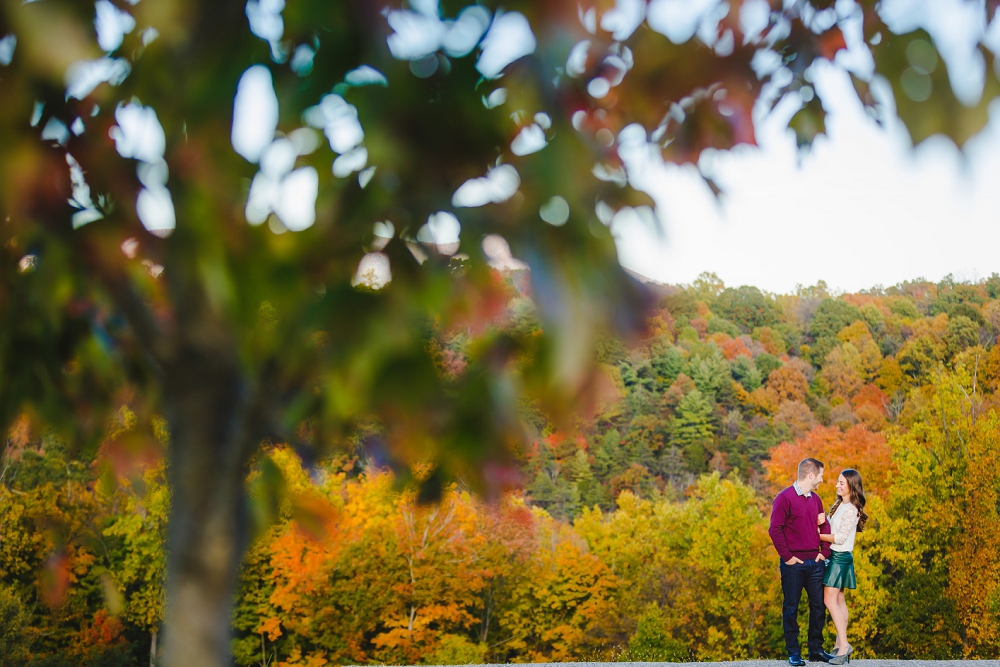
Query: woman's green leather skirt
(840, 570)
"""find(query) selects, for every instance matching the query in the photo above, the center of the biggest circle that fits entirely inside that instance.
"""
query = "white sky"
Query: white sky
(863, 208)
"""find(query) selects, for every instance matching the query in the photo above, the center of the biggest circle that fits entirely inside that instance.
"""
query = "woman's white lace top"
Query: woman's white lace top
(843, 527)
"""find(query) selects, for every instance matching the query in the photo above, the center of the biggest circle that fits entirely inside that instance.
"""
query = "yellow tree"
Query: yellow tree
(644, 543)
(506, 540)
(565, 599)
(974, 582)
(840, 374)
(437, 600)
(139, 523)
(52, 559)
(697, 577)
(869, 357)
(729, 605)
(938, 517)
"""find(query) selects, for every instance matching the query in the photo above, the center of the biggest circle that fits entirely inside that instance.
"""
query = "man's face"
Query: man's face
(817, 479)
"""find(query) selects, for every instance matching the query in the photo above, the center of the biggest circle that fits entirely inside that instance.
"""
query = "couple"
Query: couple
(815, 551)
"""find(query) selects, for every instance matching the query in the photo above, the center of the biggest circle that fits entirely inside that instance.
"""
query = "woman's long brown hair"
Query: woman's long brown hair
(857, 491)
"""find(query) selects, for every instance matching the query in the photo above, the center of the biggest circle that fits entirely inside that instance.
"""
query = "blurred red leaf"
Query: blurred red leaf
(314, 516)
(830, 42)
(54, 579)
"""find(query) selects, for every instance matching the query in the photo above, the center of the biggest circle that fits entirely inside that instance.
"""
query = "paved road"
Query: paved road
(776, 663)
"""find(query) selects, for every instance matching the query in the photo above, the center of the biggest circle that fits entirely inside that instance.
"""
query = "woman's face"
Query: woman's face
(842, 490)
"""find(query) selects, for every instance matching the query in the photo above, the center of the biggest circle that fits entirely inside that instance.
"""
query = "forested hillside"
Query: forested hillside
(727, 374)
(638, 533)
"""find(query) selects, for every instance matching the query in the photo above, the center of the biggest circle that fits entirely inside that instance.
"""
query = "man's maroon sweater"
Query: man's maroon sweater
(793, 526)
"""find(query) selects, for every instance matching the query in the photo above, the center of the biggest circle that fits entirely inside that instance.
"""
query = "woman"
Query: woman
(847, 517)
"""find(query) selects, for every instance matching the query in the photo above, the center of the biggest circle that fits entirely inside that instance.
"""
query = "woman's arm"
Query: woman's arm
(847, 524)
(821, 519)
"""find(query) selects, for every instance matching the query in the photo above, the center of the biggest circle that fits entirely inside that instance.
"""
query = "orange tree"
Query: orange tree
(136, 259)
(857, 447)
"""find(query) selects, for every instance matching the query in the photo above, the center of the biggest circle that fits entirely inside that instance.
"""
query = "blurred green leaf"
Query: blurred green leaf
(922, 90)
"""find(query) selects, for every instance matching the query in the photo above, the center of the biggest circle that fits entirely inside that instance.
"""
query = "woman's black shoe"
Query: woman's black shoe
(821, 656)
(795, 660)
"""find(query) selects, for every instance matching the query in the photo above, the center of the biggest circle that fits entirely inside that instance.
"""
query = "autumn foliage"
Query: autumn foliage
(866, 451)
(639, 533)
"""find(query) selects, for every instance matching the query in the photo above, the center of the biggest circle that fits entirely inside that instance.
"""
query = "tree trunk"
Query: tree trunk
(152, 648)
(205, 396)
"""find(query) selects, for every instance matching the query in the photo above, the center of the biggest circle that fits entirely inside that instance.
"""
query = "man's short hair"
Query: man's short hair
(809, 466)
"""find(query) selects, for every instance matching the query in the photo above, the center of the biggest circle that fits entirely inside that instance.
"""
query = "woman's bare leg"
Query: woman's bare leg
(842, 603)
(832, 597)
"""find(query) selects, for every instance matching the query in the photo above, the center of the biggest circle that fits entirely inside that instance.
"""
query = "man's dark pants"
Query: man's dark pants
(807, 575)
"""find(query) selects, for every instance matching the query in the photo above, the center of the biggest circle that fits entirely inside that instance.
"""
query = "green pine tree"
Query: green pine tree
(610, 459)
(692, 429)
(591, 492)
(710, 372)
(668, 365)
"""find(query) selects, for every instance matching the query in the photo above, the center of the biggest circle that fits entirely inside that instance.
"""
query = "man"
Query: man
(795, 516)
